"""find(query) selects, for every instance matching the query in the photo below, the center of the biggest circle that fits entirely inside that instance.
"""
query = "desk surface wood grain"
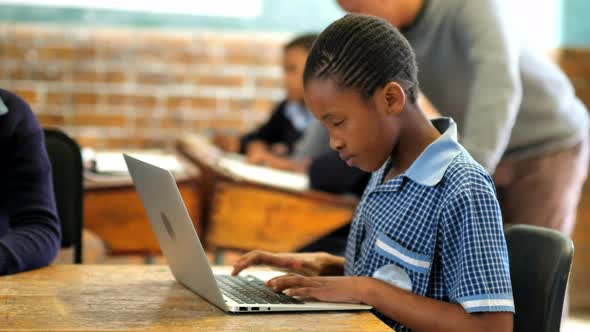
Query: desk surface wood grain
(139, 298)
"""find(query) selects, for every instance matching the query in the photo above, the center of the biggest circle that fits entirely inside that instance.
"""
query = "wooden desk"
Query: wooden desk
(245, 215)
(113, 211)
(145, 298)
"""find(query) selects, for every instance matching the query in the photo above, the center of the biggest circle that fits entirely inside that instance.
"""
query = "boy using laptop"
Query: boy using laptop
(426, 247)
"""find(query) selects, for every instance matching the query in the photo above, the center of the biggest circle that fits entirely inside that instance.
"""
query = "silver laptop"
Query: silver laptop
(185, 255)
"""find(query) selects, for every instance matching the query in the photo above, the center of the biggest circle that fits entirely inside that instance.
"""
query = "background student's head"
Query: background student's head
(397, 12)
(360, 76)
(294, 57)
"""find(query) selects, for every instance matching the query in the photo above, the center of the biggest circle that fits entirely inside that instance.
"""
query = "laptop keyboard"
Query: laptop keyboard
(251, 290)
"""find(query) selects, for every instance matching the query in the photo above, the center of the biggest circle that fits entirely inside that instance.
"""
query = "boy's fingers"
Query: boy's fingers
(255, 258)
(266, 258)
(289, 281)
(302, 292)
(245, 261)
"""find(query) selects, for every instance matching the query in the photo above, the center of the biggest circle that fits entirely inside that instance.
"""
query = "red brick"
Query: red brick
(30, 96)
(144, 101)
(181, 78)
(17, 74)
(113, 77)
(86, 53)
(89, 141)
(126, 142)
(85, 98)
(25, 35)
(138, 101)
(188, 57)
(240, 104)
(194, 102)
(34, 74)
(51, 120)
(149, 54)
(248, 59)
(92, 76)
(144, 122)
(219, 124)
(15, 52)
(154, 78)
(113, 37)
(56, 53)
(122, 53)
(225, 81)
(265, 82)
(167, 41)
(117, 99)
(171, 122)
(255, 107)
(99, 120)
(84, 108)
(57, 98)
(89, 76)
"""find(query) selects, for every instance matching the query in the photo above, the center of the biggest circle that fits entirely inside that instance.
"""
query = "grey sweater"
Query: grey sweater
(508, 101)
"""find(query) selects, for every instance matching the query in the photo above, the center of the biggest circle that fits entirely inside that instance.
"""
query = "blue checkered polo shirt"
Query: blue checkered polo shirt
(435, 230)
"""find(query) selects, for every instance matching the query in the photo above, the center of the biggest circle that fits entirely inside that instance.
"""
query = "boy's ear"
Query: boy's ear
(395, 98)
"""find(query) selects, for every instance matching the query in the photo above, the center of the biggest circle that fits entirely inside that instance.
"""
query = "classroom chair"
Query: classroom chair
(66, 163)
(540, 263)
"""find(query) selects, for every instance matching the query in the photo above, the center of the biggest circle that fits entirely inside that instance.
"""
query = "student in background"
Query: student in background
(29, 227)
(290, 118)
(427, 199)
(516, 111)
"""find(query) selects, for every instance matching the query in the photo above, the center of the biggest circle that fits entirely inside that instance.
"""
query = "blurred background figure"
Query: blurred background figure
(29, 226)
(290, 118)
(516, 110)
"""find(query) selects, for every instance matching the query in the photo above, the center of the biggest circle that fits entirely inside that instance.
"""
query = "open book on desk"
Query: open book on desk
(109, 166)
(235, 166)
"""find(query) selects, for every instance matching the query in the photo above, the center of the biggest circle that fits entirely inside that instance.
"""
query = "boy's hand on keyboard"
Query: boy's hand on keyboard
(309, 264)
(326, 289)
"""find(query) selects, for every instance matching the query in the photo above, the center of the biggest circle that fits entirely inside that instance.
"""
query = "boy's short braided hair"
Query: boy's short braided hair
(363, 52)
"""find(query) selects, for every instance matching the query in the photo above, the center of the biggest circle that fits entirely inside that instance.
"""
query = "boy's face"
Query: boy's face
(364, 133)
(293, 65)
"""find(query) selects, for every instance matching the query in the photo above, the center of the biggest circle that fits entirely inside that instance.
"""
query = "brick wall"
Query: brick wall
(141, 88)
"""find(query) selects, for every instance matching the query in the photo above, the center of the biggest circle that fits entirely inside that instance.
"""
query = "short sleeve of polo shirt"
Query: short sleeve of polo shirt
(473, 250)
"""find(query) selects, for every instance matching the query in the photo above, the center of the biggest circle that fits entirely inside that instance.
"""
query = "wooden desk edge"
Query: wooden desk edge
(339, 200)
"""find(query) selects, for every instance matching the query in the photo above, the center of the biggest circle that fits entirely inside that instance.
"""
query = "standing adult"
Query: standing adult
(517, 113)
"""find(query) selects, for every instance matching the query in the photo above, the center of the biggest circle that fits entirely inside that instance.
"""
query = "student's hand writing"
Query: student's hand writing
(327, 289)
(279, 149)
(287, 164)
(257, 153)
(311, 264)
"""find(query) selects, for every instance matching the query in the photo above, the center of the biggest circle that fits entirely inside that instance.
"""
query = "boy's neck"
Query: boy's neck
(418, 133)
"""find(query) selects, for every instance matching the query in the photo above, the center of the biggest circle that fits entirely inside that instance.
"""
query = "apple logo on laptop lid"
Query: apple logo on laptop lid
(168, 226)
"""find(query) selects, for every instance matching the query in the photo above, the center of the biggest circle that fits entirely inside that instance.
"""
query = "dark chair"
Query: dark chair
(66, 163)
(540, 262)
